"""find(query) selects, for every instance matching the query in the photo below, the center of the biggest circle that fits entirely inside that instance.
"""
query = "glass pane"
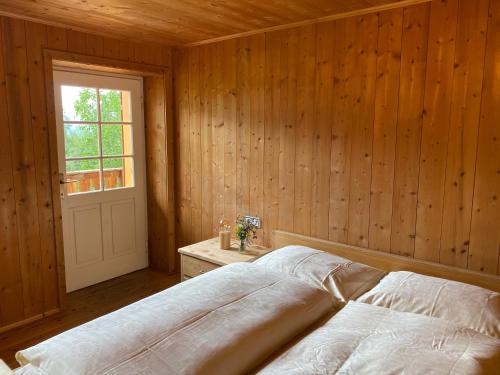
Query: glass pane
(84, 176)
(81, 140)
(79, 103)
(116, 140)
(115, 105)
(118, 173)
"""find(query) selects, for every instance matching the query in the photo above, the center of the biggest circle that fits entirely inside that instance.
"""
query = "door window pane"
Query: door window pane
(118, 172)
(97, 125)
(126, 106)
(114, 105)
(116, 140)
(81, 140)
(83, 176)
(79, 103)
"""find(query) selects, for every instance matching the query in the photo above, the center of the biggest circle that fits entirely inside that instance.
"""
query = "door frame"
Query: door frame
(105, 65)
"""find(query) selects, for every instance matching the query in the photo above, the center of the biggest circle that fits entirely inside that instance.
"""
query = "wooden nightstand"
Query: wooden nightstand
(206, 256)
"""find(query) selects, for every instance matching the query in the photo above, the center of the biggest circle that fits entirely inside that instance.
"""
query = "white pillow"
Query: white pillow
(344, 279)
(468, 305)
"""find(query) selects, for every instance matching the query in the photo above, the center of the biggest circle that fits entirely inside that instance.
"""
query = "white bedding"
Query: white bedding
(229, 321)
(365, 339)
(344, 279)
(29, 369)
(467, 305)
(223, 322)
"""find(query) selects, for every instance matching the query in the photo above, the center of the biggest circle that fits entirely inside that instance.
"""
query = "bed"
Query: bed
(311, 307)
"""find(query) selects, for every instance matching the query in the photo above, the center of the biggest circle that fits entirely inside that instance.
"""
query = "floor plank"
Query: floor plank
(84, 305)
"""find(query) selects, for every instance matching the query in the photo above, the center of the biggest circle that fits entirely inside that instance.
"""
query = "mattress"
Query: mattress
(223, 322)
(366, 339)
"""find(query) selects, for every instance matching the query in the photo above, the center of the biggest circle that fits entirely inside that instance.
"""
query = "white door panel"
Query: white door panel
(122, 227)
(100, 134)
(86, 228)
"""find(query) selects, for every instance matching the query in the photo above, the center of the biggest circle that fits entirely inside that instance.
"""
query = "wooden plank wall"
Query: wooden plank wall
(380, 130)
(28, 272)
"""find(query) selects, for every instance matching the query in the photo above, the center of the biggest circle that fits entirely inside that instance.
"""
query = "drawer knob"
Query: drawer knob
(202, 272)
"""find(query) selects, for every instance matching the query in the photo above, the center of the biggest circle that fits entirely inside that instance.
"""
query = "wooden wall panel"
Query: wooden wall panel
(77, 41)
(322, 134)
(93, 45)
(30, 280)
(206, 96)
(305, 117)
(409, 129)
(195, 143)
(217, 160)
(435, 128)
(363, 99)
(343, 42)
(110, 48)
(286, 173)
(36, 37)
(230, 128)
(57, 38)
(11, 286)
(271, 133)
(384, 128)
(156, 171)
(173, 263)
(485, 236)
(462, 139)
(371, 130)
(257, 85)
(24, 172)
(244, 117)
(182, 154)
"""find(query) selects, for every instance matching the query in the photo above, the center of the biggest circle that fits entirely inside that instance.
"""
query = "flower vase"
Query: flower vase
(242, 246)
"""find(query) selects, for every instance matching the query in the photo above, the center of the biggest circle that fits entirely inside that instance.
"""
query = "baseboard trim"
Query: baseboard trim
(29, 320)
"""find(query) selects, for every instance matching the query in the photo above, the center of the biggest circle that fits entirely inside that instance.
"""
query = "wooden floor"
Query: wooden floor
(85, 305)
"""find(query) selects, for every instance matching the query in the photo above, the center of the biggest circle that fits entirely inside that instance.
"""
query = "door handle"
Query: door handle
(67, 181)
(63, 180)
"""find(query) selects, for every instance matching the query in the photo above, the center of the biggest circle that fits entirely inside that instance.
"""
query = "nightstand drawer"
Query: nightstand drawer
(193, 267)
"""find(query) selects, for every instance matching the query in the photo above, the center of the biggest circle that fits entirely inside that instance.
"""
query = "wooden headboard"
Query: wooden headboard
(386, 261)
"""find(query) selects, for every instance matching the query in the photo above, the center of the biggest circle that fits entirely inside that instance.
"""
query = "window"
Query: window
(98, 140)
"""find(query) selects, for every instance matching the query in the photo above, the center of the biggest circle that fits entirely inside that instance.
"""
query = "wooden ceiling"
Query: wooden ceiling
(180, 22)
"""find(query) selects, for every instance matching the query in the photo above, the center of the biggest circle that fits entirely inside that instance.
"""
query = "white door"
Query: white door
(100, 137)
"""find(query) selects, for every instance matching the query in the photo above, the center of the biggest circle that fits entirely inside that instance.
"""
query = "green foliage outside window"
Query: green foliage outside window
(81, 140)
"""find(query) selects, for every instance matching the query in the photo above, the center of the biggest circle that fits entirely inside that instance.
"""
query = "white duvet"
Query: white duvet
(365, 339)
(223, 322)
